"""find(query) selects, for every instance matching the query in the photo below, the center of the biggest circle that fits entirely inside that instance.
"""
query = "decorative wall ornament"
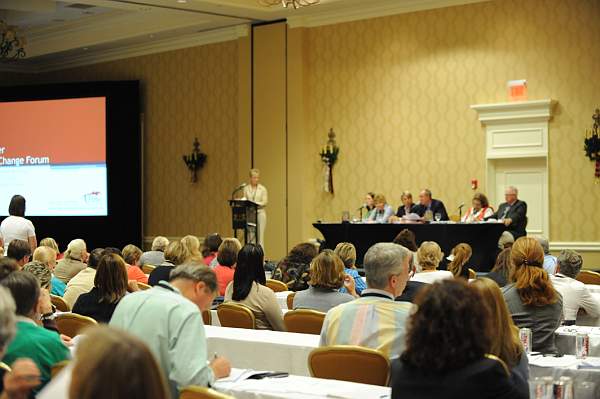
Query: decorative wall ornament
(195, 161)
(296, 4)
(11, 45)
(329, 155)
(591, 144)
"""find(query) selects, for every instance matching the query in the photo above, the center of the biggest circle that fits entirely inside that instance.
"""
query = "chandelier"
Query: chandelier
(11, 45)
(289, 3)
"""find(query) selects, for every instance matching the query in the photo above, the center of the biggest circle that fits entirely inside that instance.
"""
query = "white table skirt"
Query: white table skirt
(298, 387)
(262, 349)
(214, 317)
(568, 365)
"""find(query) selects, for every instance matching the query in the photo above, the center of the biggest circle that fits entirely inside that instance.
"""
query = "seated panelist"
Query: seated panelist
(408, 206)
(434, 206)
(513, 213)
(382, 212)
(479, 211)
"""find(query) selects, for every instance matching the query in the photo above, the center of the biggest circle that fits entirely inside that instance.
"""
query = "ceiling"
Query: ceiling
(68, 33)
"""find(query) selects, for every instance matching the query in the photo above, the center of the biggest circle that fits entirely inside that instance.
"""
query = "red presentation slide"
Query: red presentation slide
(67, 131)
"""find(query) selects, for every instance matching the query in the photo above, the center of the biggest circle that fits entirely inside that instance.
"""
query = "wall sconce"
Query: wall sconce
(195, 161)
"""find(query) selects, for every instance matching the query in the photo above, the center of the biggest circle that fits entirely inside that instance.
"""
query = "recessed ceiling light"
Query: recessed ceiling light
(182, 1)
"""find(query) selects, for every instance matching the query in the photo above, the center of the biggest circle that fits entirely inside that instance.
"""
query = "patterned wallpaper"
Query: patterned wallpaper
(397, 91)
(185, 93)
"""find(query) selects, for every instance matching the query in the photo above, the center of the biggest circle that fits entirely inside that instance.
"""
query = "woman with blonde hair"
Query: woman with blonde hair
(326, 278)
(51, 243)
(347, 253)
(175, 255)
(258, 194)
(192, 246)
(108, 354)
(460, 256)
(532, 300)
(505, 341)
(502, 269)
(429, 256)
(131, 256)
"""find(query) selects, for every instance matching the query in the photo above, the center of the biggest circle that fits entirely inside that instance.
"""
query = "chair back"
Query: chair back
(5, 367)
(589, 277)
(500, 361)
(305, 321)
(58, 367)
(71, 324)
(147, 269)
(207, 317)
(60, 303)
(276, 285)
(472, 274)
(195, 392)
(336, 363)
(290, 300)
(143, 286)
(236, 315)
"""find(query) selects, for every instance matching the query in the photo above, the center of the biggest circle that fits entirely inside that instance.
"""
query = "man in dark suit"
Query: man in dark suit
(427, 203)
(513, 213)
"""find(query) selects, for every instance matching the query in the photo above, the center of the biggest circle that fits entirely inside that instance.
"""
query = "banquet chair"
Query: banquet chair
(236, 315)
(147, 269)
(59, 303)
(195, 392)
(305, 321)
(58, 367)
(325, 362)
(5, 367)
(143, 287)
(276, 285)
(502, 363)
(206, 317)
(589, 277)
(71, 324)
(290, 300)
(472, 274)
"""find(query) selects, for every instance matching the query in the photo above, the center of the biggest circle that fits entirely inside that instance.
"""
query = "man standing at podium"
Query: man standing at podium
(257, 193)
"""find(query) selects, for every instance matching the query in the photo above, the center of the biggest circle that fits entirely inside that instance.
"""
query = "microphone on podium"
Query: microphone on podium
(238, 188)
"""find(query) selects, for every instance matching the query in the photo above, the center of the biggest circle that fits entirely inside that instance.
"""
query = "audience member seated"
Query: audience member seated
(74, 261)
(7, 266)
(24, 375)
(226, 260)
(429, 256)
(347, 253)
(293, 269)
(43, 276)
(175, 255)
(156, 255)
(407, 207)
(210, 248)
(42, 346)
(107, 354)
(500, 273)
(110, 286)
(47, 256)
(51, 243)
(131, 256)
(452, 313)
(16, 227)
(168, 318)
(513, 213)
(428, 207)
(531, 298)
(407, 239)
(192, 247)
(549, 260)
(504, 335)
(479, 210)
(459, 265)
(248, 288)
(20, 251)
(374, 320)
(575, 294)
(326, 277)
(382, 212)
(83, 281)
(412, 287)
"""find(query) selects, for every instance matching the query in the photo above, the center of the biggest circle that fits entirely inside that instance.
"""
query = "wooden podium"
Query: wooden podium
(244, 216)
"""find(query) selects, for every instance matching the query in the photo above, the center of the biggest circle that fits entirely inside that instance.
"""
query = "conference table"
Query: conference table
(584, 372)
(482, 237)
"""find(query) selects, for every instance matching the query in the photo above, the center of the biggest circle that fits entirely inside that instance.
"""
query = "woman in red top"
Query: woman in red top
(210, 248)
(226, 258)
(132, 255)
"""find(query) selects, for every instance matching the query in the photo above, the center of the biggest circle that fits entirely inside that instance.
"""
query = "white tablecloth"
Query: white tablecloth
(297, 387)
(214, 317)
(565, 339)
(568, 365)
(262, 349)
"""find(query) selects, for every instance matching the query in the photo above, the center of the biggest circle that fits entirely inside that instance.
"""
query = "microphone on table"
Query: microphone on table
(363, 206)
(460, 207)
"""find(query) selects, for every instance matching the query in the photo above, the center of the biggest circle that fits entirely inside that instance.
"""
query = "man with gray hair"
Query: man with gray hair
(168, 319)
(549, 260)
(513, 213)
(374, 320)
(574, 293)
(156, 255)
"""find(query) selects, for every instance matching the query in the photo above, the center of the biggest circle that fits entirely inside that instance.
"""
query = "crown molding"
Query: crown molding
(517, 111)
(366, 10)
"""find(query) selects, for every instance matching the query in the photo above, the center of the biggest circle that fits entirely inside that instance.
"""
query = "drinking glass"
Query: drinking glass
(438, 217)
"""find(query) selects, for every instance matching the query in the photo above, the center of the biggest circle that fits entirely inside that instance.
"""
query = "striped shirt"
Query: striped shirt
(374, 321)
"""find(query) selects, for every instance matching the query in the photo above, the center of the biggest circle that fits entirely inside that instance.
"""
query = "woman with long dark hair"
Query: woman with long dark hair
(248, 288)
